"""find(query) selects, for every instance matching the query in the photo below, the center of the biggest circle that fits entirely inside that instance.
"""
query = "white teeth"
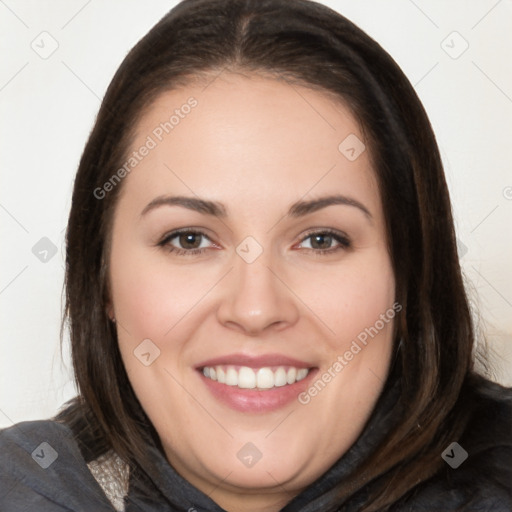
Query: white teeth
(291, 376)
(280, 377)
(231, 377)
(265, 378)
(302, 373)
(248, 378)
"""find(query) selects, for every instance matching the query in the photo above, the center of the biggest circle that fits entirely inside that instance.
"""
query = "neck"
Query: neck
(236, 499)
(251, 502)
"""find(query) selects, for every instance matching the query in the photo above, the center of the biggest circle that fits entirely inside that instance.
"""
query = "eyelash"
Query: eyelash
(343, 241)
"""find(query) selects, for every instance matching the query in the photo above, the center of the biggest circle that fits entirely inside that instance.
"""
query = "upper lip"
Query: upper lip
(259, 361)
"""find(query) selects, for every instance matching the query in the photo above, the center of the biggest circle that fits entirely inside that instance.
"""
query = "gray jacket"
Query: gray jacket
(43, 470)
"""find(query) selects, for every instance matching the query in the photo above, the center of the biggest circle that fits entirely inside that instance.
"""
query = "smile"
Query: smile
(262, 378)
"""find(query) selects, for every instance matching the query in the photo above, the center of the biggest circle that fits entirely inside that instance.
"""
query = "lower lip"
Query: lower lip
(253, 400)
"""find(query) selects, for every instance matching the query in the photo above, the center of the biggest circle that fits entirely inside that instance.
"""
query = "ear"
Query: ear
(109, 307)
(110, 312)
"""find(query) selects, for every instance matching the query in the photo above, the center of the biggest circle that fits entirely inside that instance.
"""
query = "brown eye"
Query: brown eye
(190, 240)
(325, 242)
(321, 241)
(186, 242)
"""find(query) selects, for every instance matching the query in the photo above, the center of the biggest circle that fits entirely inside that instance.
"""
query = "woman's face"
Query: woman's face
(259, 337)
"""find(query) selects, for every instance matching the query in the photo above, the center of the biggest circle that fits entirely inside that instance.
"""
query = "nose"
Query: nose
(256, 299)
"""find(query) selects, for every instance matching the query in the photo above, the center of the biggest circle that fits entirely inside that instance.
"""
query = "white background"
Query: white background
(48, 106)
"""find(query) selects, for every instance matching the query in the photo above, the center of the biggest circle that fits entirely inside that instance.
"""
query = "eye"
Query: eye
(186, 242)
(325, 241)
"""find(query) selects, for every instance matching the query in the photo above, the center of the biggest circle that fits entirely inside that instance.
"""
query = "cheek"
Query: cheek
(156, 303)
(350, 298)
(151, 297)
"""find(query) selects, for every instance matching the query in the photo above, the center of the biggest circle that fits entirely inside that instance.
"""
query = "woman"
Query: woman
(263, 292)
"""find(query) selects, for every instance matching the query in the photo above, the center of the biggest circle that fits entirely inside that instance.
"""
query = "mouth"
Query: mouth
(256, 384)
(244, 377)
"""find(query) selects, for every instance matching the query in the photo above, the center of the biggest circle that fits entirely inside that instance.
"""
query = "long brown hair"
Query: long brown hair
(305, 43)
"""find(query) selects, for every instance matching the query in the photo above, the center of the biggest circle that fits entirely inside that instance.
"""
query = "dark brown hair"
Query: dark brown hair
(308, 44)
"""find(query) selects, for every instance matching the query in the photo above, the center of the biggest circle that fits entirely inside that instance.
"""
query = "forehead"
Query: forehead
(249, 137)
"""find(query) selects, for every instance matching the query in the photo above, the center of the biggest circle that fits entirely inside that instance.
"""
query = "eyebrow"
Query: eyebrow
(302, 208)
(192, 203)
(216, 209)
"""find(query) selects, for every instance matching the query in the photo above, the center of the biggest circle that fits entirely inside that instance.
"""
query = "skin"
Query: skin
(257, 146)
